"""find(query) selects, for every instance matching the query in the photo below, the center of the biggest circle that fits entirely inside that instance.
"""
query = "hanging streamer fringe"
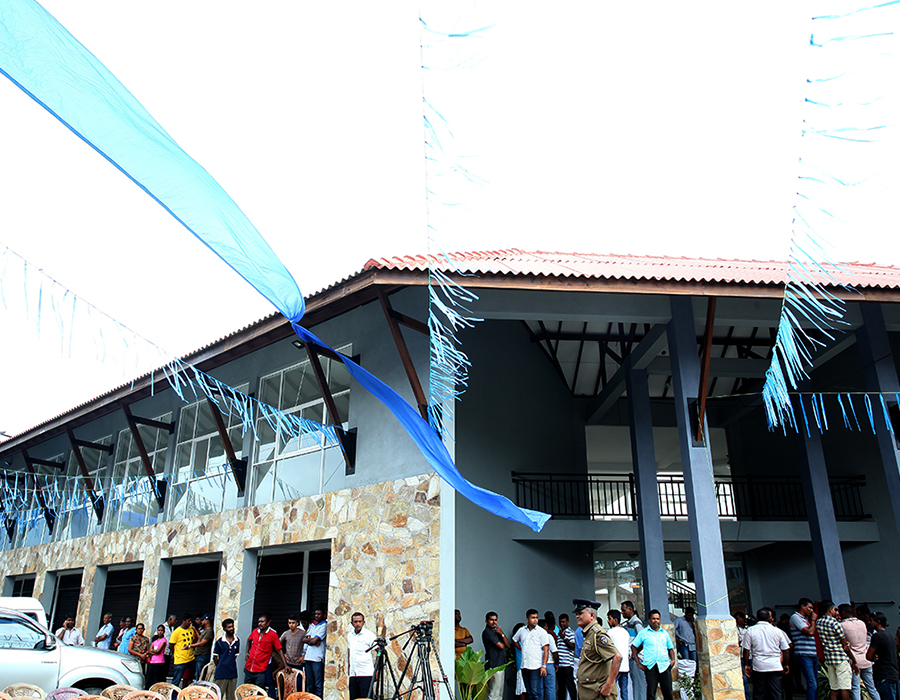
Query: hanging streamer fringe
(837, 102)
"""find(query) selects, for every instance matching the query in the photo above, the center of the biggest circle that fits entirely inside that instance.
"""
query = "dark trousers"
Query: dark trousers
(660, 679)
(767, 685)
(315, 677)
(258, 679)
(534, 684)
(565, 681)
(359, 686)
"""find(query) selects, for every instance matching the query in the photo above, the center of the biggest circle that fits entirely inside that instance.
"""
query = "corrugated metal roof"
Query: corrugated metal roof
(633, 267)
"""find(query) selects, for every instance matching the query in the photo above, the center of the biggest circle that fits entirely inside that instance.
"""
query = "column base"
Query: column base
(719, 659)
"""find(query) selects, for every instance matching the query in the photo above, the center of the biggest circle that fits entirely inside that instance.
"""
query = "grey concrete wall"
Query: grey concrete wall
(516, 416)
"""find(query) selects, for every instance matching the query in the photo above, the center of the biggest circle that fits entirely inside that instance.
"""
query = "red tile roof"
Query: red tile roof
(633, 267)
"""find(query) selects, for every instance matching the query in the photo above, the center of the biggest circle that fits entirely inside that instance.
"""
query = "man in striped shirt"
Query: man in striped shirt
(839, 662)
(803, 631)
(565, 675)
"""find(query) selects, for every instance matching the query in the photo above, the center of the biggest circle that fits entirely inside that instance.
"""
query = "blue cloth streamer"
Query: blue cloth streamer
(430, 443)
(40, 56)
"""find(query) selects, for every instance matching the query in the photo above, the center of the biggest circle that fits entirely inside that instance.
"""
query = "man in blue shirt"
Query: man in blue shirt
(654, 653)
(225, 652)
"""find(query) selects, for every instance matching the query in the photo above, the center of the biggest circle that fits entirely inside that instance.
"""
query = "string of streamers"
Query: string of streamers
(847, 75)
(81, 329)
(443, 53)
(40, 57)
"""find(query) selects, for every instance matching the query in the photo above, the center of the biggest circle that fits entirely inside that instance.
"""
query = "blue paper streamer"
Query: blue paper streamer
(40, 57)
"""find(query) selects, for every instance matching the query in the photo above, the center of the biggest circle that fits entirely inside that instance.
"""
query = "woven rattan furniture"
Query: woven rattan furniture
(117, 692)
(24, 690)
(248, 690)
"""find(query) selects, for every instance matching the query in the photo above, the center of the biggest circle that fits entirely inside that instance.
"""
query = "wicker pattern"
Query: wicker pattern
(143, 695)
(24, 690)
(248, 690)
(198, 692)
(212, 686)
(167, 690)
(302, 696)
(117, 692)
(288, 681)
(65, 693)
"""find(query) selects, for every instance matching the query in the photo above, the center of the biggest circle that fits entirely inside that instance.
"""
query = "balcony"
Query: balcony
(612, 497)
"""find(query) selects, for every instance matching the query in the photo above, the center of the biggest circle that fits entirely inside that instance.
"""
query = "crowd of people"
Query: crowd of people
(852, 646)
(188, 650)
(553, 661)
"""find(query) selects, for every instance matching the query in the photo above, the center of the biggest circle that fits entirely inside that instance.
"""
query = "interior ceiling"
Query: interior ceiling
(586, 354)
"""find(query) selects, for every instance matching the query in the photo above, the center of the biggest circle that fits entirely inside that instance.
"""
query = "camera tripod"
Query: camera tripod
(418, 660)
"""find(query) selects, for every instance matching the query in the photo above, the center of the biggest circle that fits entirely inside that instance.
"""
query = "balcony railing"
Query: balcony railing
(743, 498)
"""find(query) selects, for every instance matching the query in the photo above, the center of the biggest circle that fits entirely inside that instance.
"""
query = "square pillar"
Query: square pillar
(643, 455)
(881, 377)
(823, 530)
(717, 645)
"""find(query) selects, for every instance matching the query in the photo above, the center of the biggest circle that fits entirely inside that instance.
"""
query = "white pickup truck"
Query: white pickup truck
(29, 653)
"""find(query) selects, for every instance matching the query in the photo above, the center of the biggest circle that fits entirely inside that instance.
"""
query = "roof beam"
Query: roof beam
(405, 358)
(640, 358)
(96, 498)
(704, 363)
(49, 514)
(346, 439)
(159, 486)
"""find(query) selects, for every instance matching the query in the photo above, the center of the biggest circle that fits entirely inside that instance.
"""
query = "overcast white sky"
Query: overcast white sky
(662, 128)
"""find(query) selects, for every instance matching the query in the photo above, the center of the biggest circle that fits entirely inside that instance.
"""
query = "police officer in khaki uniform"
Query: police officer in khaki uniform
(598, 666)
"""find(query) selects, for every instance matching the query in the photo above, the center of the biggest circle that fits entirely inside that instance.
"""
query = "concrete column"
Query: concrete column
(643, 456)
(696, 461)
(161, 601)
(8, 583)
(93, 588)
(48, 593)
(244, 622)
(717, 647)
(823, 531)
(881, 376)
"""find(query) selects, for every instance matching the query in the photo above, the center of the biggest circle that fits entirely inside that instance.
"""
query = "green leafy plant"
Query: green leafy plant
(471, 675)
(691, 686)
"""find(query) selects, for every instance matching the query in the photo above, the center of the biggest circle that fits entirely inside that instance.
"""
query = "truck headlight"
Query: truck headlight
(133, 665)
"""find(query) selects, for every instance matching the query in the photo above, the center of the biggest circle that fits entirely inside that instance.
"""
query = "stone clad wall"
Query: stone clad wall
(719, 659)
(385, 557)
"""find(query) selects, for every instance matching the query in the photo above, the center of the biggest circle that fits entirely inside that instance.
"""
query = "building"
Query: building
(582, 392)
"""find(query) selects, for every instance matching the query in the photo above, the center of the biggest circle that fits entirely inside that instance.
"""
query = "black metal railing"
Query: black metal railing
(743, 498)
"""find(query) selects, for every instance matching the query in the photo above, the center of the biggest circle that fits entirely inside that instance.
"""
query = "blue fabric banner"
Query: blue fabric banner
(40, 56)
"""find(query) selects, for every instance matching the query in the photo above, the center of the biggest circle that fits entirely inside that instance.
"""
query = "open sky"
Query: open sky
(592, 126)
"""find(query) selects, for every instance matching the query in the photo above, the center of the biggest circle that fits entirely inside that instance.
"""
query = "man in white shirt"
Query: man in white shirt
(534, 643)
(359, 657)
(767, 646)
(105, 635)
(622, 641)
(315, 652)
(69, 634)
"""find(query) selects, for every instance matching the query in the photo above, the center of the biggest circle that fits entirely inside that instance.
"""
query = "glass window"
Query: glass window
(76, 513)
(202, 482)
(287, 466)
(131, 501)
